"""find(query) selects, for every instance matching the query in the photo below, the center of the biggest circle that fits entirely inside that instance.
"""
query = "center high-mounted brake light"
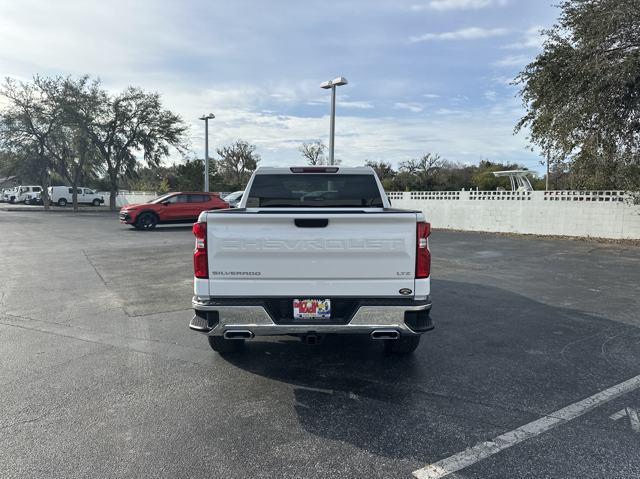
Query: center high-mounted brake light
(314, 169)
(200, 262)
(423, 255)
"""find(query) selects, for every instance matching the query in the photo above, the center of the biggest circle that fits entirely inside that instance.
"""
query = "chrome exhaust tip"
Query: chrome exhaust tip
(238, 334)
(385, 334)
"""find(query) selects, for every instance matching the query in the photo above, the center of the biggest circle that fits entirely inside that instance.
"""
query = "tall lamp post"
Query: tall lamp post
(206, 119)
(332, 84)
(546, 186)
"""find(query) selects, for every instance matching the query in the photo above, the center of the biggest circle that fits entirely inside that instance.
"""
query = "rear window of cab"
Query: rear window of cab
(314, 190)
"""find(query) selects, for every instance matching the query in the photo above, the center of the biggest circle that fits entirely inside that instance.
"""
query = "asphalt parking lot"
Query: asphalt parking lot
(101, 377)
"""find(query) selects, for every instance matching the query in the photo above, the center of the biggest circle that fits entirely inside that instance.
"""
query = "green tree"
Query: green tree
(164, 186)
(75, 128)
(130, 122)
(22, 163)
(190, 175)
(383, 169)
(484, 179)
(236, 164)
(453, 176)
(27, 125)
(582, 94)
(75, 157)
(144, 178)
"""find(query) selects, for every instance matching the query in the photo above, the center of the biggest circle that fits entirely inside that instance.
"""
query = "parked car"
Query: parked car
(234, 198)
(26, 193)
(312, 251)
(34, 199)
(63, 195)
(176, 207)
(9, 195)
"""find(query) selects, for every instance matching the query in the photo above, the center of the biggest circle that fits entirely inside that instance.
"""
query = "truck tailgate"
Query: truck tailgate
(311, 254)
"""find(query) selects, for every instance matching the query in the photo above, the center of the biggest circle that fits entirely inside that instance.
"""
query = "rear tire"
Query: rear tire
(62, 202)
(96, 202)
(146, 221)
(403, 345)
(225, 346)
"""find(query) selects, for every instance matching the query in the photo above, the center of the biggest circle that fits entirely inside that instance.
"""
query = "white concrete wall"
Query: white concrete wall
(129, 197)
(598, 214)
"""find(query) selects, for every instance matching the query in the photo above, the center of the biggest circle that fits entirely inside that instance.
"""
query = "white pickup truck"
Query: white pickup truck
(312, 251)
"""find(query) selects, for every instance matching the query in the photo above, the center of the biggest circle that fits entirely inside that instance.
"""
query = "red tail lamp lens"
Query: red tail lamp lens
(200, 261)
(423, 255)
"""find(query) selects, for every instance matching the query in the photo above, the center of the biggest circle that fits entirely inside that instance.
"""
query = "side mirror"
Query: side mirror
(166, 203)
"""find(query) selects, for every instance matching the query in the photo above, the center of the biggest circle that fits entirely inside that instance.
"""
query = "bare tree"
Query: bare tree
(314, 153)
(423, 169)
(424, 165)
(237, 162)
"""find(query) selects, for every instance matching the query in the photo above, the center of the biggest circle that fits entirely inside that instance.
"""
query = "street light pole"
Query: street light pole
(206, 155)
(332, 123)
(546, 187)
(332, 84)
(206, 119)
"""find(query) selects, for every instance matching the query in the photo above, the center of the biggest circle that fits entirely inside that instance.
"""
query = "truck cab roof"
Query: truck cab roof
(335, 169)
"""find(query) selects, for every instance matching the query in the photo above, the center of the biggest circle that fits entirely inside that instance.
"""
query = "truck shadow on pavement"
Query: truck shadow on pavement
(182, 227)
(496, 360)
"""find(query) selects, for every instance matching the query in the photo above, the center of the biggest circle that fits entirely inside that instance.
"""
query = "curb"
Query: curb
(37, 209)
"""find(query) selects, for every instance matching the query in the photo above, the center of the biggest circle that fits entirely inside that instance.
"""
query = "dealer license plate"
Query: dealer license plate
(311, 309)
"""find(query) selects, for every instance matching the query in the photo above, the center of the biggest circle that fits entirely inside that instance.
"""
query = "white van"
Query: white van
(61, 195)
(9, 195)
(25, 193)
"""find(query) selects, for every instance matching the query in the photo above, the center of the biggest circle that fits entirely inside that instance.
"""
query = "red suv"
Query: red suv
(177, 207)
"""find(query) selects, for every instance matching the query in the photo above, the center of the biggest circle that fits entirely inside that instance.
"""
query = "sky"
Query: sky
(424, 75)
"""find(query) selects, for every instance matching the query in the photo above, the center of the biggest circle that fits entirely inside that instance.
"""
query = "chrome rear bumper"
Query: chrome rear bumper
(216, 320)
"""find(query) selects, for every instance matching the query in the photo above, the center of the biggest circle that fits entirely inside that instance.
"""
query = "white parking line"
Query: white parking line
(486, 449)
(634, 420)
(632, 414)
(619, 415)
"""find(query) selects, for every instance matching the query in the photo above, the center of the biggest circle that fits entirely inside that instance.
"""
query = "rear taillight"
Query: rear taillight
(200, 266)
(423, 255)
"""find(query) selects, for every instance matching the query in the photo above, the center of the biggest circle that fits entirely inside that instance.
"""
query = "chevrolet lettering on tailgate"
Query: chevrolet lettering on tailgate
(319, 244)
